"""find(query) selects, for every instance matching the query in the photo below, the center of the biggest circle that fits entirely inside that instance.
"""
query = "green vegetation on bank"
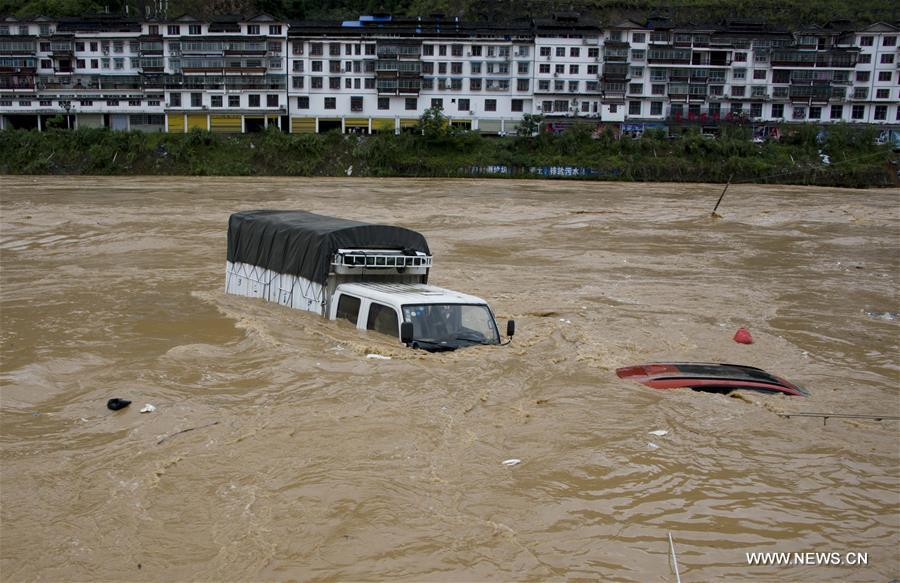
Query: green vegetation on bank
(854, 160)
(791, 13)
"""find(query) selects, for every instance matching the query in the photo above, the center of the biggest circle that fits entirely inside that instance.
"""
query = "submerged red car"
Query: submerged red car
(708, 377)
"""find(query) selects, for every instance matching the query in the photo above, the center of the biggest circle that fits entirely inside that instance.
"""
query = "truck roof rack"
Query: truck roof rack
(349, 261)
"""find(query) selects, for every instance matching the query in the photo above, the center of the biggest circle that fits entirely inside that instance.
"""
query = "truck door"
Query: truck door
(348, 308)
(383, 319)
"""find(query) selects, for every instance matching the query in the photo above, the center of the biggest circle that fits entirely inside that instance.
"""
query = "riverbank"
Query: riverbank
(847, 157)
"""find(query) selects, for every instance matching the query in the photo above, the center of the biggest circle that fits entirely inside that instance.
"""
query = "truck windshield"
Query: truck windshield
(451, 325)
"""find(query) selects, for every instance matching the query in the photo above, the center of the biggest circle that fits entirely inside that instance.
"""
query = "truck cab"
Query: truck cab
(440, 319)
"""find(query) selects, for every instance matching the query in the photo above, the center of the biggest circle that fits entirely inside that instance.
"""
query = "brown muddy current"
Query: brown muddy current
(309, 461)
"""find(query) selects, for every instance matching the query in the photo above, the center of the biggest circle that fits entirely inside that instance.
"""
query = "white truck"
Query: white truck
(375, 276)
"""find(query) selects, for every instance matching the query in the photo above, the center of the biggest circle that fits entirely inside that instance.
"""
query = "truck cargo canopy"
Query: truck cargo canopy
(302, 243)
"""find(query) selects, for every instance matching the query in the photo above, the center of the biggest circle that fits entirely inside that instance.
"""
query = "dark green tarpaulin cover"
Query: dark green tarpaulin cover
(302, 243)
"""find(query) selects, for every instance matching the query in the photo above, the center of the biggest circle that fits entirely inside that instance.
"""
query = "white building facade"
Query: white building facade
(380, 73)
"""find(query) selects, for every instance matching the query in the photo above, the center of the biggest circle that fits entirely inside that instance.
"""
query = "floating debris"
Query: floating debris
(512, 462)
(889, 316)
(116, 404)
(377, 357)
(148, 408)
(659, 432)
(742, 336)
(652, 445)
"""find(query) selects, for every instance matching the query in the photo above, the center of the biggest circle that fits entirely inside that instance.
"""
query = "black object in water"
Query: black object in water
(116, 404)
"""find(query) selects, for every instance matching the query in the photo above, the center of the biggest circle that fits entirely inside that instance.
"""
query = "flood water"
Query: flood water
(308, 461)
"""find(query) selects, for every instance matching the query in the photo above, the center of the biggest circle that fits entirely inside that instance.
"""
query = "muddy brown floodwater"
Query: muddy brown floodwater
(312, 462)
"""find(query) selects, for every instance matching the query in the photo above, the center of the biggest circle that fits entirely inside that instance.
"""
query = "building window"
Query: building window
(348, 83)
(79, 63)
(490, 105)
(560, 51)
(864, 59)
(656, 107)
(865, 41)
(574, 52)
(272, 100)
(175, 100)
(593, 53)
(194, 29)
(634, 108)
(152, 30)
(858, 112)
(887, 59)
(356, 103)
(545, 51)
(253, 29)
(303, 102)
(860, 93)
(474, 84)
(613, 108)
(862, 76)
(173, 30)
(331, 103)
(411, 104)
(438, 103)
(543, 85)
(275, 29)
(658, 89)
(884, 76)
(737, 90)
(442, 68)
(523, 68)
(638, 55)
(442, 50)
(215, 100)
(759, 74)
(334, 82)
(777, 110)
(384, 103)
(253, 100)
(837, 112)
(196, 99)
(756, 110)
(815, 112)
(635, 88)
(880, 112)
(456, 50)
(882, 93)
(315, 82)
(737, 108)
(889, 41)
(234, 101)
(517, 105)
(573, 69)
(522, 84)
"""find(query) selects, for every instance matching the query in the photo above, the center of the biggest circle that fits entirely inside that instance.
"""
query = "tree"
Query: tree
(433, 124)
(531, 125)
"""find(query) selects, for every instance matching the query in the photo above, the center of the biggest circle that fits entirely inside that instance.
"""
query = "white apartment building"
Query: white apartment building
(380, 73)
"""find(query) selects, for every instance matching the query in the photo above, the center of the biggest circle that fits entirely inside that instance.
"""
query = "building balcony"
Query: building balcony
(17, 84)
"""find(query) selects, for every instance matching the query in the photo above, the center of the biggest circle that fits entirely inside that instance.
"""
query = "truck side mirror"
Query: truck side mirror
(510, 328)
(406, 332)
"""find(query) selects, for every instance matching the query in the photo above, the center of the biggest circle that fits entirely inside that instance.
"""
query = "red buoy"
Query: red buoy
(742, 336)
